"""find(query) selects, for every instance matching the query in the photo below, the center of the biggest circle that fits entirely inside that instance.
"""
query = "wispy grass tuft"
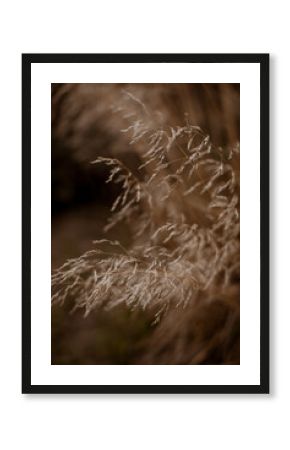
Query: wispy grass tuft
(182, 208)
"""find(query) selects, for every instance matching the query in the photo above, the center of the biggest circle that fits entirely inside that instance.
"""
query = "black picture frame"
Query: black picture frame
(263, 61)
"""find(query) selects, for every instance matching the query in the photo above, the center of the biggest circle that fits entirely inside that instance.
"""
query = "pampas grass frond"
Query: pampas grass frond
(182, 208)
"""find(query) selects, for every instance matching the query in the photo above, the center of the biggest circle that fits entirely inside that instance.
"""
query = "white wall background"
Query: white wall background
(129, 422)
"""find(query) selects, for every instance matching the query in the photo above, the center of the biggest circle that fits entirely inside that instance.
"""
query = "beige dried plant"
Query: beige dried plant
(182, 209)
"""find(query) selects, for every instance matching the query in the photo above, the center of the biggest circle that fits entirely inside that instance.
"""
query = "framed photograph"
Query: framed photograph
(145, 223)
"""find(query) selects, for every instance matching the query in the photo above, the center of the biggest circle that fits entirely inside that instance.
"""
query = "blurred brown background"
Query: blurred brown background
(87, 120)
